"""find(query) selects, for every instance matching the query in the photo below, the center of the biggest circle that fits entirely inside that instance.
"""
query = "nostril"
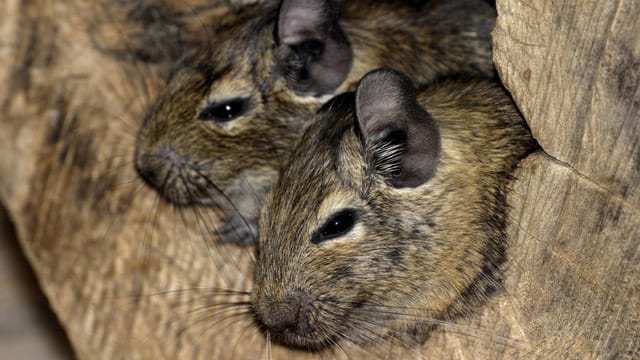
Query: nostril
(288, 315)
(282, 324)
(153, 165)
(169, 154)
(281, 316)
(146, 170)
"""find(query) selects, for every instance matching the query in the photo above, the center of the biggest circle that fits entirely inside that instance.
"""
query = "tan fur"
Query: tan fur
(416, 255)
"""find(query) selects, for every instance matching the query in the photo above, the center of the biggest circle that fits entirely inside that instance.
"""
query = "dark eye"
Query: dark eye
(338, 225)
(225, 111)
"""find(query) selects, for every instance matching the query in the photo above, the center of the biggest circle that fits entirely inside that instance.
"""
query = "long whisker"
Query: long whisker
(210, 224)
(481, 334)
(204, 230)
(148, 232)
(204, 291)
(213, 324)
(226, 198)
(247, 328)
(269, 354)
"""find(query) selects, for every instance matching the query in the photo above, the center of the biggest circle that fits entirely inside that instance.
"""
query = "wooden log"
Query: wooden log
(574, 71)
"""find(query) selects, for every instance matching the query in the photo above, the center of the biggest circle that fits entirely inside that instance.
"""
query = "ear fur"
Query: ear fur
(313, 53)
(400, 136)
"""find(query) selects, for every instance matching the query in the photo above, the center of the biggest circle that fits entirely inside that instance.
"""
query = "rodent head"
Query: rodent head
(389, 213)
(231, 110)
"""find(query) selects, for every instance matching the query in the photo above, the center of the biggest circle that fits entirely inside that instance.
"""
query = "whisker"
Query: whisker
(481, 334)
(221, 307)
(147, 237)
(247, 327)
(373, 336)
(204, 230)
(219, 322)
(269, 353)
(209, 224)
(227, 199)
(202, 291)
(254, 194)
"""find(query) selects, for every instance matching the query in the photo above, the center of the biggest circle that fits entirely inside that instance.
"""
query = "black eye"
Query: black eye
(223, 112)
(338, 225)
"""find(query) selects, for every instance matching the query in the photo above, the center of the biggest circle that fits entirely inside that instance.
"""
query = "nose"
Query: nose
(146, 170)
(153, 165)
(289, 315)
(148, 167)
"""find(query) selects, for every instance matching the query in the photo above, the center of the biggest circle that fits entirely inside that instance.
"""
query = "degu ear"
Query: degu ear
(402, 141)
(312, 53)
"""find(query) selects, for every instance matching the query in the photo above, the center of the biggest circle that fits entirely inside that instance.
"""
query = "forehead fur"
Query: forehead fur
(331, 144)
(332, 139)
(241, 41)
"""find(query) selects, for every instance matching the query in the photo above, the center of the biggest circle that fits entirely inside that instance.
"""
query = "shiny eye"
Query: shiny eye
(338, 225)
(223, 112)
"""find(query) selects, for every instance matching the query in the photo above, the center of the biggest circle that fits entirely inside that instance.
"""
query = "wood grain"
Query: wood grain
(574, 70)
(28, 328)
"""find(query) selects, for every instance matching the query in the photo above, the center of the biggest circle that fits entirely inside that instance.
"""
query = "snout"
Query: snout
(168, 172)
(153, 164)
(287, 315)
(146, 169)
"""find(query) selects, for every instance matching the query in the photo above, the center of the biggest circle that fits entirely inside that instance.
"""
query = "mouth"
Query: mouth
(319, 341)
(182, 193)
(174, 183)
(311, 342)
(330, 327)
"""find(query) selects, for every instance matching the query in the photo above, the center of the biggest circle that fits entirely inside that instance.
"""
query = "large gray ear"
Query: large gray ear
(313, 53)
(401, 138)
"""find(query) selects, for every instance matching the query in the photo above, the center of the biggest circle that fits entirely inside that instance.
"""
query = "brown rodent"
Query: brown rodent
(230, 113)
(390, 215)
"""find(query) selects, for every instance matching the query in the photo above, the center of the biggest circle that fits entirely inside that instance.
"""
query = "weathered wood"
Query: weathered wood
(28, 327)
(574, 70)
(76, 79)
(572, 282)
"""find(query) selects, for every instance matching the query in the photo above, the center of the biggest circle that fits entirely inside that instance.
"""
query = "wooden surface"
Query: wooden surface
(574, 70)
(28, 328)
(77, 76)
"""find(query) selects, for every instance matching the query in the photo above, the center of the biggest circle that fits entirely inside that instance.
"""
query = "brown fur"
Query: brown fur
(416, 255)
(233, 164)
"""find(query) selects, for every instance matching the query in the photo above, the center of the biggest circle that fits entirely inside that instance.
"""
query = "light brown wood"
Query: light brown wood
(109, 255)
(574, 70)
(28, 328)
(572, 282)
